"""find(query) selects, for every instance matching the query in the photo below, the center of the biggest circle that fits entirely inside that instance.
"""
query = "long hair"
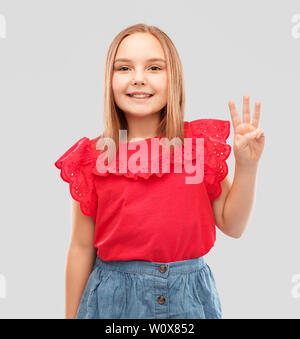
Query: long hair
(172, 115)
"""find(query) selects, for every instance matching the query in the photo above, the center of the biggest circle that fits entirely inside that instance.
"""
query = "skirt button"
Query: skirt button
(161, 299)
(162, 269)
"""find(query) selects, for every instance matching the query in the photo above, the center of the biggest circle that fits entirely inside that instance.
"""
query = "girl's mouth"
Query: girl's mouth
(139, 99)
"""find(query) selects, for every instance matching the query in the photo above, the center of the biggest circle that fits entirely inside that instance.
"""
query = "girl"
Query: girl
(139, 235)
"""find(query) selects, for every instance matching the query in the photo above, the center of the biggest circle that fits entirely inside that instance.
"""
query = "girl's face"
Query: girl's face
(138, 73)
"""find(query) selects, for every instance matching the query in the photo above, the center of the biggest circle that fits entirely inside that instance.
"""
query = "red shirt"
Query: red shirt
(150, 216)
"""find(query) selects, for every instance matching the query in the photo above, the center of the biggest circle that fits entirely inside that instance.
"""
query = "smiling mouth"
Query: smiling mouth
(145, 98)
(141, 97)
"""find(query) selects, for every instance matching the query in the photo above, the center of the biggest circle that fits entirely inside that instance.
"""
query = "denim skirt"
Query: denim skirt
(137, 289)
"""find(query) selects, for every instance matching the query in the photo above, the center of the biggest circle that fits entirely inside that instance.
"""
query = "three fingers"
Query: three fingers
(247, 115)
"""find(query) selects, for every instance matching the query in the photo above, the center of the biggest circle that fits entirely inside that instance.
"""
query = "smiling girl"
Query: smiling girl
(139, 237)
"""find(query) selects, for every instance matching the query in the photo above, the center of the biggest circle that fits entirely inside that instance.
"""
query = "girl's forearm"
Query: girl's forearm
(240, 200)
(78, 268)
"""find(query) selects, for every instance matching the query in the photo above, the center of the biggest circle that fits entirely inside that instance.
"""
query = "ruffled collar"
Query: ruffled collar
(144, 158)
(137, 159)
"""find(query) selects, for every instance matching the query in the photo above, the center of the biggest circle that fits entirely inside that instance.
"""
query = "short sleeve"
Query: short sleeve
(215, 133)
(75, 167)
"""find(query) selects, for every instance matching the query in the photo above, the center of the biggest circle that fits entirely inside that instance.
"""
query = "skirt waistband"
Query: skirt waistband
(154, 268)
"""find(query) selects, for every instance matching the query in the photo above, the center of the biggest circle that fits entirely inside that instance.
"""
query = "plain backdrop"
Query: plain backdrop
(52, 57)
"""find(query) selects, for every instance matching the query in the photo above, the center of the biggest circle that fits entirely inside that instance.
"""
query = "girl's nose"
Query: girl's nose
(138, 82)
(138, 77)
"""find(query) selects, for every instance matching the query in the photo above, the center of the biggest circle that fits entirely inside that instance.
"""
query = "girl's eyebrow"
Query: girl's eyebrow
(149, 60)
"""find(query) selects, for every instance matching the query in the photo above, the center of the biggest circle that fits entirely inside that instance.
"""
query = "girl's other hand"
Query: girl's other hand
(249, 138)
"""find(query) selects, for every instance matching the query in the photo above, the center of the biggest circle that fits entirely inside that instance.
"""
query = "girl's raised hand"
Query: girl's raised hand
(249, 139)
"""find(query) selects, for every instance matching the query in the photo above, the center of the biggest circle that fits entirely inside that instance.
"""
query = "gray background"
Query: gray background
(51, 71)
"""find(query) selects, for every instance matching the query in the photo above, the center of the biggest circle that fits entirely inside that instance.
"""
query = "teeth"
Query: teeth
(140, 95)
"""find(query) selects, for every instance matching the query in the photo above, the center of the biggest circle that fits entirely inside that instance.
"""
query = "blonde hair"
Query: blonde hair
(172, 115)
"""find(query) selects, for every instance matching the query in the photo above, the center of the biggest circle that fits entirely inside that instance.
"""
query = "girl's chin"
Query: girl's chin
(139, 112)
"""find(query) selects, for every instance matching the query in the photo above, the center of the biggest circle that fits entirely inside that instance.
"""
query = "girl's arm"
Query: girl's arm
(239, 201)
(81, 256)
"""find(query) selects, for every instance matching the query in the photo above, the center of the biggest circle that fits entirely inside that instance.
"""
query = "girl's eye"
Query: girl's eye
(127, 67)
(155, 67)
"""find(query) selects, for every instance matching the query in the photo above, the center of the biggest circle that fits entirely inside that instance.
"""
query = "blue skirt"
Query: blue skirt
(139, 289)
